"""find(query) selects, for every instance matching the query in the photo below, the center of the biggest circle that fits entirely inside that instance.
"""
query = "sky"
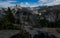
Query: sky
(28, 3)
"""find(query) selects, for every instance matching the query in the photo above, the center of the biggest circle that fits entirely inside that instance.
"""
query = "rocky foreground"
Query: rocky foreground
(52, 32)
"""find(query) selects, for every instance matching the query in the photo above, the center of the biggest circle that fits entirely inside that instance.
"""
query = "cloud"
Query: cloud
(12, 1)
(49, 2)
(55, 2)
(24, 4)
(43, 1)
(27, 4)
(6, 4)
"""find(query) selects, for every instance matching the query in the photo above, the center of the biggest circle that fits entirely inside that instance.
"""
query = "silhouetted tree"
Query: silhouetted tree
(10, 16)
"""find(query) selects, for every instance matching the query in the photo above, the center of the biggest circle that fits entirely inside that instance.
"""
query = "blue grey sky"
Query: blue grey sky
(28, 3)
